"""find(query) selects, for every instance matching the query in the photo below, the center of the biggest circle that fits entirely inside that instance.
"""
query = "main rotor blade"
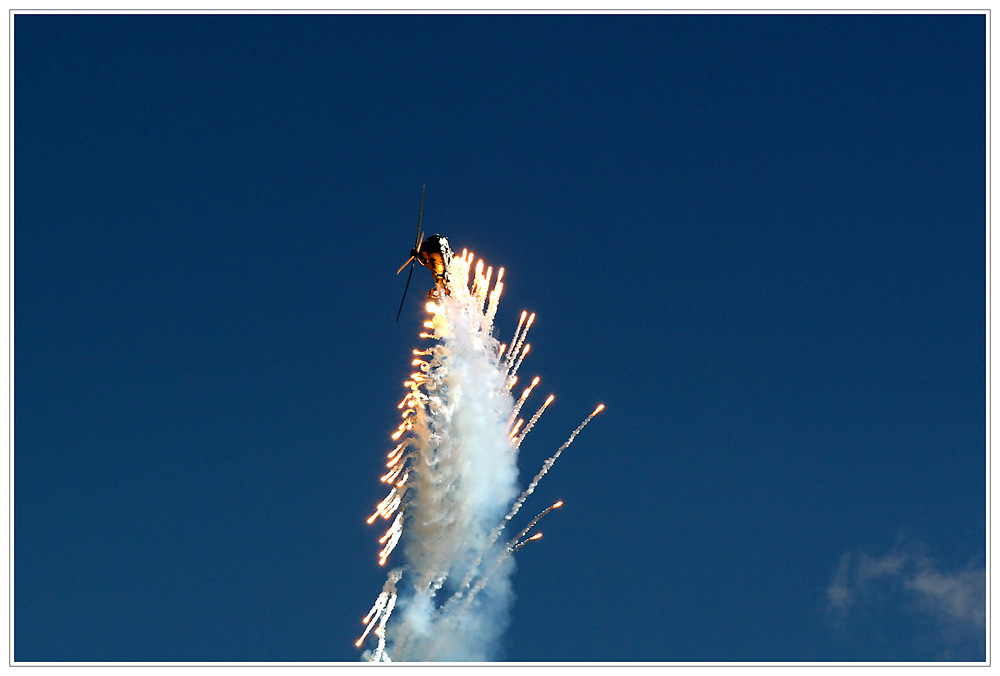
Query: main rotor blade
(420, 219)
(420, 243)
(408, 278)
(404, 265)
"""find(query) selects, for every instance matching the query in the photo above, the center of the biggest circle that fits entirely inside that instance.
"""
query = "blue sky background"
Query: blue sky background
(759, 240)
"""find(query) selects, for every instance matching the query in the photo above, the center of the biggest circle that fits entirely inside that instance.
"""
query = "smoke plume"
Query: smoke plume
(453, 482)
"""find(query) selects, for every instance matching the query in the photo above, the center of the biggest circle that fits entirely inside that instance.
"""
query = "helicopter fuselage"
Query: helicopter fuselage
(435, 255)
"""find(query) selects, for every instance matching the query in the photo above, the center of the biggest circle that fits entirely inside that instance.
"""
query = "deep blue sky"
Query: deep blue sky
(759, 240)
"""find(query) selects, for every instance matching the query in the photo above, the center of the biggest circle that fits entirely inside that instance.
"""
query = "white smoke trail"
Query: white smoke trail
(531, 423)
(453, 483)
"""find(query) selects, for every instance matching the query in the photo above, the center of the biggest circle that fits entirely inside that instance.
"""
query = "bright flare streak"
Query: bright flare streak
(380, 603)
(491, 310)
(389, 477)
(392, 535)
(477, 285)
(380, 632)
(524, 397)
(396, 525)
(534, 419)
(520, 341)
(513, 546)
(386, 507)
(394, 455)
(517, 332)
(520, 359)
(482, 297)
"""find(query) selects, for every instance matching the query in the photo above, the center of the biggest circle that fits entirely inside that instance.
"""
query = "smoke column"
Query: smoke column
(452, 481)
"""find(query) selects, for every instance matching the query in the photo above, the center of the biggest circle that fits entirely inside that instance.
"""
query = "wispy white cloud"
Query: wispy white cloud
(958, 596)
(906, 579)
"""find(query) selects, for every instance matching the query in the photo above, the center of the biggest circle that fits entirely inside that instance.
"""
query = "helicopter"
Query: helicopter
(433, 253)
